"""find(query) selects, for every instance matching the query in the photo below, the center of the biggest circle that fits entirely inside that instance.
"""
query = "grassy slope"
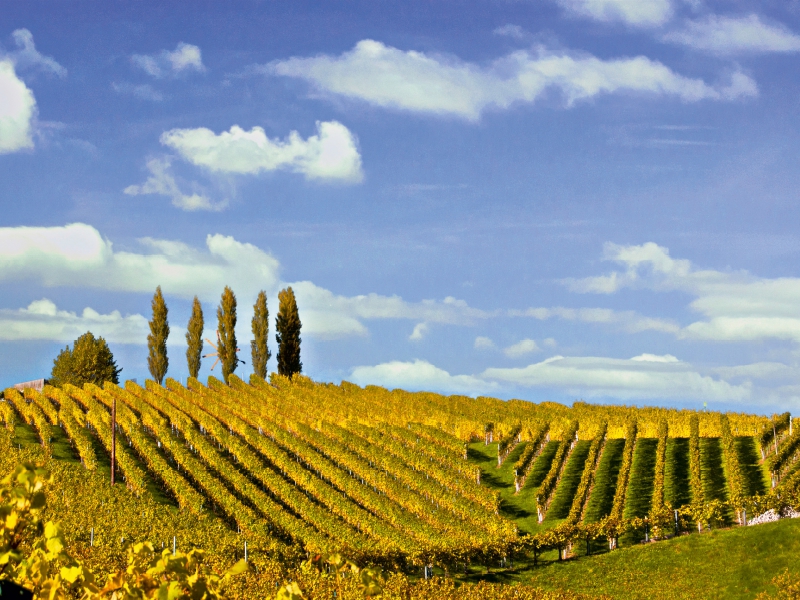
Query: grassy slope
(676, 473)
(733, 563)
(570, 478)
(605, 482)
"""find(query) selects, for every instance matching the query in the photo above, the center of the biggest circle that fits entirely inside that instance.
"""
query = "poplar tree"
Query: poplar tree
(157, 361)
(194, 338)
(287, 334)
(226, 327)
(258, 345)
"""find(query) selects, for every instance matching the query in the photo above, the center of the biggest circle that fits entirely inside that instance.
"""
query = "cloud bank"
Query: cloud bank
(391, 78)
(737, 305)
(643, 377)
(41, 320)
(76, 255)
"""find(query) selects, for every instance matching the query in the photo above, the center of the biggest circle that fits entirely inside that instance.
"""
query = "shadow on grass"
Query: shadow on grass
(676, 473)
(747, 452)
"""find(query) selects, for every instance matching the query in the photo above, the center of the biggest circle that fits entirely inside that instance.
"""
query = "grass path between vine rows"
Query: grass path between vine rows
(520, 508)
(570, 479)
(605, 481)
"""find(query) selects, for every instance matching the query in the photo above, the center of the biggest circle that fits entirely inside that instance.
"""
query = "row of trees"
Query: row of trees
(287, 330)
(90, 360)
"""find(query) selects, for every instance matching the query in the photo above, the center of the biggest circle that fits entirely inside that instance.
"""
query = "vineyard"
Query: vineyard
(415, 483)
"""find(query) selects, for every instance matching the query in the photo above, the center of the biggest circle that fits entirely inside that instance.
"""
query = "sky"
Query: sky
(540, 199)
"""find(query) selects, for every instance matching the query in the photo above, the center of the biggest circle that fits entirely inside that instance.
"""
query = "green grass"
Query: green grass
(605, 481)
(520, 508)
(732, 563)
(568, 485)
(676, 473)
(541, 466)
(756, 477)
(639, 495)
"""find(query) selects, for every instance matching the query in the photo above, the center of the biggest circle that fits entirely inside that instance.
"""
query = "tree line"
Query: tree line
(91, 360)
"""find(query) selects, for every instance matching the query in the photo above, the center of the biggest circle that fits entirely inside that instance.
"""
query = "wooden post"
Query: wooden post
(113, 438)
(775, 439)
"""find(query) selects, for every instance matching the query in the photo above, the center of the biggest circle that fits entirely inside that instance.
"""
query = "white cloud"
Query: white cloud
(332, 154)
(521, 348)
(737, 306)
(734, 35)
(185, 57)
(631, 379)
(17, 110)
(330, 316)
(665, 358)
(143, 91)
(629, 321)
(414, 81)
(645, 13)
(760, 370)
(76, 255)
(420, 331)
(420, 375)
(162, 182)
(28, 57)
(483, 343)
(42, 320)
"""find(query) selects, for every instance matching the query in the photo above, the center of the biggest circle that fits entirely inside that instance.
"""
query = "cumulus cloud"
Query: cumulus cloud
(332, 154)
(17, 110)
(643, 13)
(185, 57)
(483, 343)
(629, 321)
(420, 375)
(737, 305)
(521, 348)
(163, 183)
(735, 35)
(41, 320)
(77, 255)
(28, 57)
(644, 377)
(428, 83)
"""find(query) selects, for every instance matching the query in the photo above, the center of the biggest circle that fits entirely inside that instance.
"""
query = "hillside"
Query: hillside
(398, 479)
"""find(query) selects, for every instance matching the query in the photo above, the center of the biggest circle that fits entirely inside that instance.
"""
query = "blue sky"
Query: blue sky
(551, 200)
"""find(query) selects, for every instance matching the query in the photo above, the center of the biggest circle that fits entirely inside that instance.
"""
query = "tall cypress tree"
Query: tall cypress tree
(194, 338)
(258, 345)
(287, 334)
(157, 360)
(226, 319)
